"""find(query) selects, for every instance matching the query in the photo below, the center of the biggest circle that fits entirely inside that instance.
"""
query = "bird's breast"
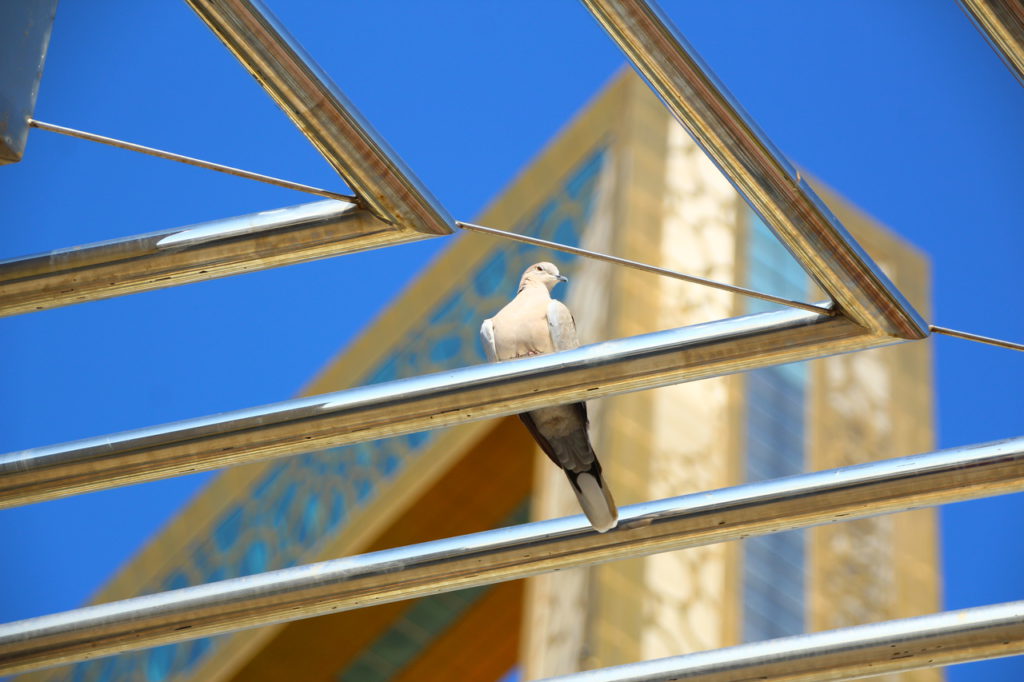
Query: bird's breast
(522, 336)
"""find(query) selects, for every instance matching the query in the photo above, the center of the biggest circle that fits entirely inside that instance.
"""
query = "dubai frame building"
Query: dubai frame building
(623, 177)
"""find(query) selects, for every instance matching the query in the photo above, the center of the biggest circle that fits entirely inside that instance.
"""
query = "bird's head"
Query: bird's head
(541, 274)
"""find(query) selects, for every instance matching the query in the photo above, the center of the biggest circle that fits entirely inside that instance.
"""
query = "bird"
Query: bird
(533, 323)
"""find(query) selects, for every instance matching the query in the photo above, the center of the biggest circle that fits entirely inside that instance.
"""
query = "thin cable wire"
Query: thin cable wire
(647, 268)
(287, 184)
(171, 156)
(977, 337)
(711, 283)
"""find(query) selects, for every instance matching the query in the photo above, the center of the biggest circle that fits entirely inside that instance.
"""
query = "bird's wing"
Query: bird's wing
(561, 326)
(571, 450)
(487, 339)
(531, 426)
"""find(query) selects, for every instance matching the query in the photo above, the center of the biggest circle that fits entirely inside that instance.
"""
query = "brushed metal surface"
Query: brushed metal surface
(515, 552)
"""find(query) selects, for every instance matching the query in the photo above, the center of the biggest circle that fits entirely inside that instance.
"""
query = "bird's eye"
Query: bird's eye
(539, 268)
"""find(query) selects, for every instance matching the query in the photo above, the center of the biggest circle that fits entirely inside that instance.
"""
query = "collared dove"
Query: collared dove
(531, 324)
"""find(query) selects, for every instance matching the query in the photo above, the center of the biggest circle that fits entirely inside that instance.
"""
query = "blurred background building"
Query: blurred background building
(622, 178)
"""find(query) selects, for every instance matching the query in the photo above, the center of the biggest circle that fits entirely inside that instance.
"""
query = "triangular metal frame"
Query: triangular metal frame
(379, 178)
(393, 206)
(770, 184)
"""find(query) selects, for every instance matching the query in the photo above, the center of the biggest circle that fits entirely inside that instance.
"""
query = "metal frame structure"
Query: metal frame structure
(24, 37)
(759, 171)
(392, 206)
(315, 104)
(399, 208)
(193, 253)
(845, 654)
(515, 552)
(425, 402)
(1001, 22)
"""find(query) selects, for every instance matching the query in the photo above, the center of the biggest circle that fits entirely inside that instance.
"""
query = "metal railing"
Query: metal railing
(515, 552)
(425, 402)
(845, 654)
(190, 254)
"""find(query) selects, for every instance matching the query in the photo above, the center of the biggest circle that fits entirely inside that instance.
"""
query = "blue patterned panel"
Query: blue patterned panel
(773, 565)
(302, 501)
(423, 623)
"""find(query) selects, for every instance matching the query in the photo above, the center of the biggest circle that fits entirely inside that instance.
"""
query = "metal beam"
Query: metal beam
(198, 252)
(845, 654)
(425, 402)
(511, 553)
(324, 115)
(1002, 24)
(24, 38)
(756, 168)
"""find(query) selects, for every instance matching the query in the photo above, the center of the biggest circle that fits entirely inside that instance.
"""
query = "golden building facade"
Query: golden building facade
(622, 178)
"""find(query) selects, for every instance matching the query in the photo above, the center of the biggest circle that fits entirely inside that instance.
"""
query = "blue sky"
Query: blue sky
(900, 106)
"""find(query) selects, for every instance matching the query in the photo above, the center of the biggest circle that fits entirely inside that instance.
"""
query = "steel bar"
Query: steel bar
(845, 654)
(756, 168)
(24, 38)
(1002, 24)
(191, 161)
(315, 104)
(977, 337)
(742, 291)
(425, 402)
(189, 254)
(510, 553)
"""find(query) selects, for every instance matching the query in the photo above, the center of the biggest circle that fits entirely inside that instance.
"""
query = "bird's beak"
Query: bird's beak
(563, 278)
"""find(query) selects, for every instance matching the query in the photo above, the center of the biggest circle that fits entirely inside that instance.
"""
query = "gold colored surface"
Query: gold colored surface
(874, 405)
(483, 645)
(617, 594)
(573, 616)
(467, 498)
(695, 427)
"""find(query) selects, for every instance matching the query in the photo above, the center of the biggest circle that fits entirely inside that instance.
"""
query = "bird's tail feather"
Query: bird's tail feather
(596, 500)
